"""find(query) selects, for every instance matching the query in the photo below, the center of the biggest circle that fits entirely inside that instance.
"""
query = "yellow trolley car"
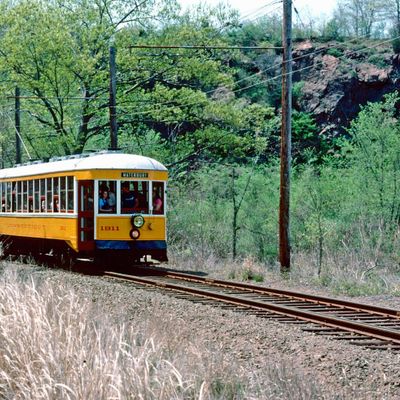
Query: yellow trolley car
(92, 206)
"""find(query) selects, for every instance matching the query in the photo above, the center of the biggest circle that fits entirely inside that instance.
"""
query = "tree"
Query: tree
(358, 17)
(376, 160)
(57, 52)
(393, 13)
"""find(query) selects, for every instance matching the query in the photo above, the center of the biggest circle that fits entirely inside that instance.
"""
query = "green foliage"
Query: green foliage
(376, 159)
(378, 60)
(249, 275)
(355, 202)
(58, 51)
(335, 52)
(297, 91)
(253, 33)
(304, 126)
(317, 200)
(370, 286)
(309, 146)
(396, 46)
(332, 30)
(201, 212)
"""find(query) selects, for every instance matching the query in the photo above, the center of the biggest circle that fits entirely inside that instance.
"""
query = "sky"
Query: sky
(314, 8)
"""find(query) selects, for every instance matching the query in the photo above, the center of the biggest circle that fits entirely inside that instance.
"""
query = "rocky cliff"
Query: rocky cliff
(335, 79)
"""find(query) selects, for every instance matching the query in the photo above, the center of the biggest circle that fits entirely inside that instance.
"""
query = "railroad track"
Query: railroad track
(363, 325)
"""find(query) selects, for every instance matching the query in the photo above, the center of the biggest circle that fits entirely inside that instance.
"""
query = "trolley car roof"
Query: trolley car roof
(107, 161)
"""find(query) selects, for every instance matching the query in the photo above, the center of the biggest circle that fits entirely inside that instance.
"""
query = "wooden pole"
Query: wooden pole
(17, 127)
(112, 106)
(284, 204)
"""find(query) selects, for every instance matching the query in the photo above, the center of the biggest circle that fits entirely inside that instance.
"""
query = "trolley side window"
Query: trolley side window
(107, 197)
(36, 196)
(25, 196)
(70, 194)
(134, 197)
(56, 195)
(13, 196)
(158, 198)
(30, 196)
(43, 206)
(19, 196)
(3, 197)
(49, 194)
(62, 203)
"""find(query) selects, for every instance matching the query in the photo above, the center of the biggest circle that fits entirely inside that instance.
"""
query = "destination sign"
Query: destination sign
(134, 174)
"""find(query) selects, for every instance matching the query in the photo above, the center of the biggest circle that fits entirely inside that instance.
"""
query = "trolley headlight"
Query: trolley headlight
(134, 234)
(137, 221)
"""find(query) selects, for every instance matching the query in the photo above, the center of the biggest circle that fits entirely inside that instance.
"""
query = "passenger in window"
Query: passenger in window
(128, 197)
(104, 205)
(55, 203)
(111, 196)
(111, 199)
(70, 205)
(157, 202)
(141, 201)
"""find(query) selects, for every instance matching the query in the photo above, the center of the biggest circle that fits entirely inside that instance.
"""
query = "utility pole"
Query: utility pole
(17, 127)
(112, 104)
(286, 140)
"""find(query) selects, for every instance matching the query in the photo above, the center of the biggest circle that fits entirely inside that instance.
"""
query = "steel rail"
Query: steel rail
(285, 294)
(387, 335)
(279, 293)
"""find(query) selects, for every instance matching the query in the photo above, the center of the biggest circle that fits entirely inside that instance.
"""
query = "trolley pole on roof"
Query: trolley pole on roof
(112, 104)
(286, 128)
(17, 127)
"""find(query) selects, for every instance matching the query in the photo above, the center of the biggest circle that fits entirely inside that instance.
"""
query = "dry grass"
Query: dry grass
(350, 273)
(56, 345)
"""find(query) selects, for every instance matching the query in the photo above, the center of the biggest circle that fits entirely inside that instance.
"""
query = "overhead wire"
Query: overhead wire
(298, 17)
(256, 12)
(272, 12)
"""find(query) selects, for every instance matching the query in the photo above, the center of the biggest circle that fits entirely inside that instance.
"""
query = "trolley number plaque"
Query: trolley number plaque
(109, 228)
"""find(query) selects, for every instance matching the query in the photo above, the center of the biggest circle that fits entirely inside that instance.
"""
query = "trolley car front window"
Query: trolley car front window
(107, 197)
(134, 197)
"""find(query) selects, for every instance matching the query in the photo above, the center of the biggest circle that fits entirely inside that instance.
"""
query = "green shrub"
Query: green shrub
(297, 91)
(335, 52)
(396, 46)
(378, 60)
(201, 212)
